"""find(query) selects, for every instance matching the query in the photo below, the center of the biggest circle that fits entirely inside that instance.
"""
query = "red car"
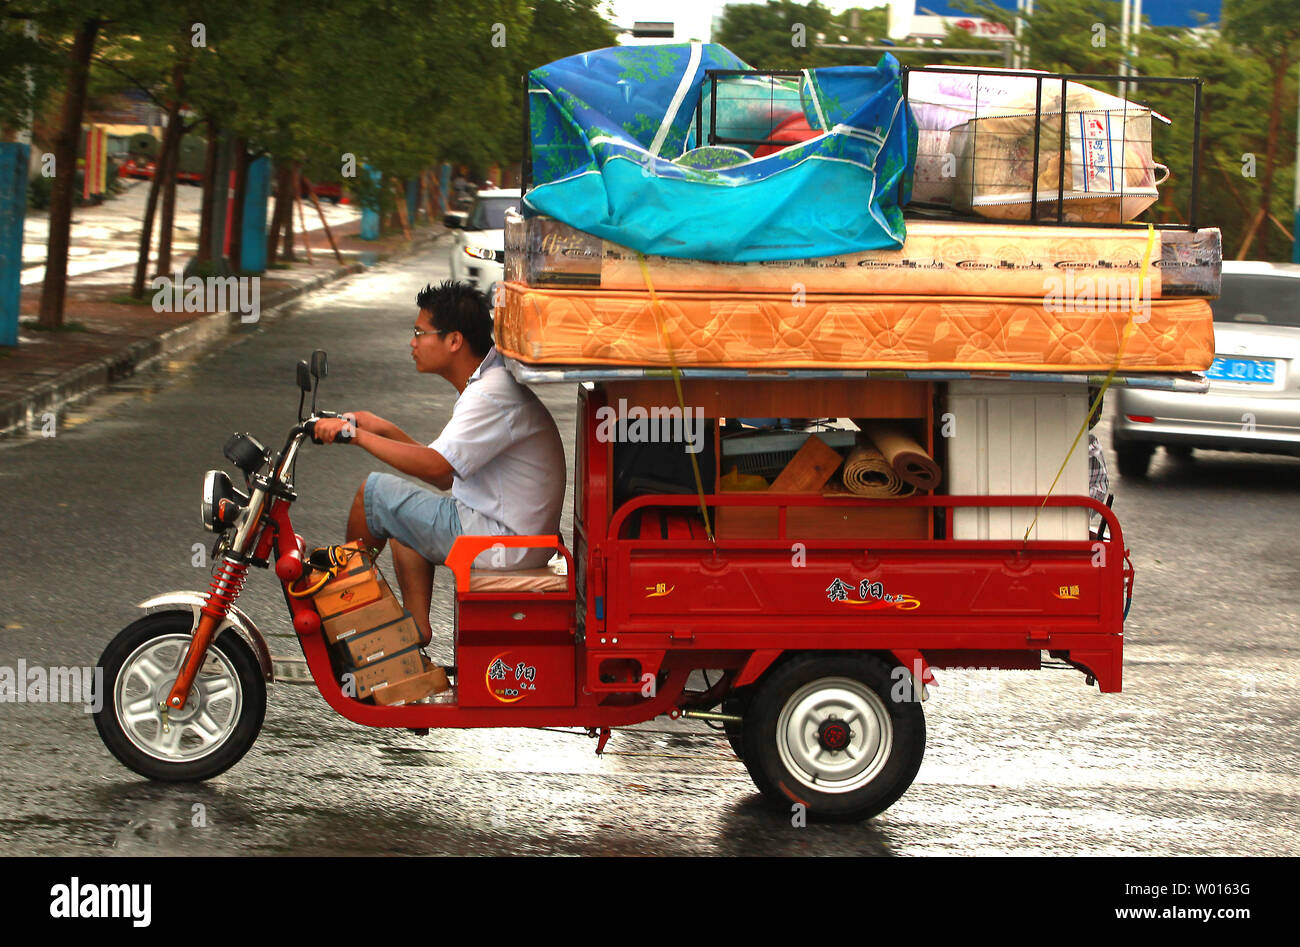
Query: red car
(139, 166)
(328, 190)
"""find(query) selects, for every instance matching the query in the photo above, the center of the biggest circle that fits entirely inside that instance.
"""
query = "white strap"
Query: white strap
(817, 104)
(684, 86)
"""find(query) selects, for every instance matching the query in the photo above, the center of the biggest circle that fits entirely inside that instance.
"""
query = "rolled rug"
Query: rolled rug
(868, 474)
(905, 455)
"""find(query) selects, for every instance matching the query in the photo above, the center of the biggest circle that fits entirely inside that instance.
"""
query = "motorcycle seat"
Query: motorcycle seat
(544, 579)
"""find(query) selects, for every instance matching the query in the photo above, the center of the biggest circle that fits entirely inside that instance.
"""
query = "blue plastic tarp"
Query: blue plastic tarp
(614, 154)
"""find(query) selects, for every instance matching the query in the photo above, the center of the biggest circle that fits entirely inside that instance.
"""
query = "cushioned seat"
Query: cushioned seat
(544, 579)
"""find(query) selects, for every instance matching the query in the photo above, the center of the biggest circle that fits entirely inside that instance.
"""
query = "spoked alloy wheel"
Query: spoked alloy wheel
(827, 731)
(223, 711)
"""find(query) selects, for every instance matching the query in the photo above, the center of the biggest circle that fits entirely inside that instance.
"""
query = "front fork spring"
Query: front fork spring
(227, 582)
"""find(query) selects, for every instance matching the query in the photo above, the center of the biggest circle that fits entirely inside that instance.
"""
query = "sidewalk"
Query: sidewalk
(106, 339)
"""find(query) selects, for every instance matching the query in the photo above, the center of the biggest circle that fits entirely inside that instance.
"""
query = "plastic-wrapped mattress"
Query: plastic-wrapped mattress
(575, 327)
(943, 258)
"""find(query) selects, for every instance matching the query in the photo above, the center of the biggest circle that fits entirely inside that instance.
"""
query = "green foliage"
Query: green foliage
(39, 188)
(779, 34)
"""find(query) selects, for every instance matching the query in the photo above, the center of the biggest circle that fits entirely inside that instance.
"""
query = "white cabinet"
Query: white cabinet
(1011, 438)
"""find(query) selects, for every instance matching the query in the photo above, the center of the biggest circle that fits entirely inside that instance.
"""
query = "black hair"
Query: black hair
(459, 307)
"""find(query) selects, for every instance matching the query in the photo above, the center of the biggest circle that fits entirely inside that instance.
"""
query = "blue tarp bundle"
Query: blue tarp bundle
(614, 154)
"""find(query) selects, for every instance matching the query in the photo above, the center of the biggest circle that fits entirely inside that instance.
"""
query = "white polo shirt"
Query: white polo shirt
(507, 461)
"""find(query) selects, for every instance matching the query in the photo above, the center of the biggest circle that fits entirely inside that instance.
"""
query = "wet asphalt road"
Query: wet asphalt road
(1197, 756)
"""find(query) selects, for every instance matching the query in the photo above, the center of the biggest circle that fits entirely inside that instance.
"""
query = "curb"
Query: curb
(51, 397)
(22, 415)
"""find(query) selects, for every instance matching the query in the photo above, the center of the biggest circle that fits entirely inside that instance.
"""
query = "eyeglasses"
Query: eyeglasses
(420, 332)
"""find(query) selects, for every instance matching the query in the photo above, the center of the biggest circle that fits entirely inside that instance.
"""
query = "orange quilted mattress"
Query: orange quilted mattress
(752, 330)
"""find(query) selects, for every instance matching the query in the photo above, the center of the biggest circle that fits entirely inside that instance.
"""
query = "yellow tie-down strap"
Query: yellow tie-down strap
(1125, 335)
(677, 383)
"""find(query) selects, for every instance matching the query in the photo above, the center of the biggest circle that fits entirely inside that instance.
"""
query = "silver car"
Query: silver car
(478, 246)
(1254, 399)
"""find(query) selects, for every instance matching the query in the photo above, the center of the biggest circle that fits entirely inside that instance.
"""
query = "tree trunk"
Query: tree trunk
(1270, 149)
(237, 212)
(175, 133)
(302, 220)
(173, 152)
(205, 203)
(54, 289)
(329, 235)
(146, 230)
(277, 214)
(290, 195)
(399, 190)
(1250, 234)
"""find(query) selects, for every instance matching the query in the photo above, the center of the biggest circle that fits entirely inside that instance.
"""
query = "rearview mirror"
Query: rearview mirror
(304, 375)
(319, 364)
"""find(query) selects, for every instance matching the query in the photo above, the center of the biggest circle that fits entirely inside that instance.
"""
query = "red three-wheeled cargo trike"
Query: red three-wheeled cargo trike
(817, 617)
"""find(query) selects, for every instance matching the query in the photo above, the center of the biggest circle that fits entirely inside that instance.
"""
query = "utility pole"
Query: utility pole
(1020, 58)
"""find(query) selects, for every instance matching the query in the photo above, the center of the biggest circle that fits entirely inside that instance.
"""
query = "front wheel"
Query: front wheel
(835, 733)
(222, 715)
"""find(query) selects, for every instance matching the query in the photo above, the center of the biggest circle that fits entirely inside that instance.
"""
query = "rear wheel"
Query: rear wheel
(222, 715)
(734, 705)
(1134, 458)
(834, 733)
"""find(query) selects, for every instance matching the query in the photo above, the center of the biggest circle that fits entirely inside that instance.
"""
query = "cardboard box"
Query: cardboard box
(391, 670)
(350, 591)
(382, 642)
(358, 621)
(432, 681)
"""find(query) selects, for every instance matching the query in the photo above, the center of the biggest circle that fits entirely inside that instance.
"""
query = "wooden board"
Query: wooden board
(809, 469)
(760, 398)
(824, 522)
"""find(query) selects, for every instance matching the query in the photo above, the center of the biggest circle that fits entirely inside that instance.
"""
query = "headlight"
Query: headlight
(481, 253)
(222, 503)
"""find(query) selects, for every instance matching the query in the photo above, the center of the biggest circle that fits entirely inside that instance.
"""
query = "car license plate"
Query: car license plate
(1245, 370)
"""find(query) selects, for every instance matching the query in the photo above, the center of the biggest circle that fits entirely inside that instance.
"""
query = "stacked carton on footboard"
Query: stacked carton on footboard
(373, 640)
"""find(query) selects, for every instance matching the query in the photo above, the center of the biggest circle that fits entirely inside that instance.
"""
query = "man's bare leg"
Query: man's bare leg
(357, 528)
(415, 579)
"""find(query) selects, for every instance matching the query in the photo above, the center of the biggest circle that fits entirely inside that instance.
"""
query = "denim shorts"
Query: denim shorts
(415, 516)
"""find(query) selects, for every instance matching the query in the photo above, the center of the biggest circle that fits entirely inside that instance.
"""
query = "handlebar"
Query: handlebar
(309, 426)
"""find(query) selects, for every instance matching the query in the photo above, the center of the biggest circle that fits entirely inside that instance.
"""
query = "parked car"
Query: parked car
(331, 191)
(1254, 399)
(478, 249)
(143, 166)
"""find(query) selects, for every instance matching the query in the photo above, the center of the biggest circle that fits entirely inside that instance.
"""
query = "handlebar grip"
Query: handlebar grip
(344, 436)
